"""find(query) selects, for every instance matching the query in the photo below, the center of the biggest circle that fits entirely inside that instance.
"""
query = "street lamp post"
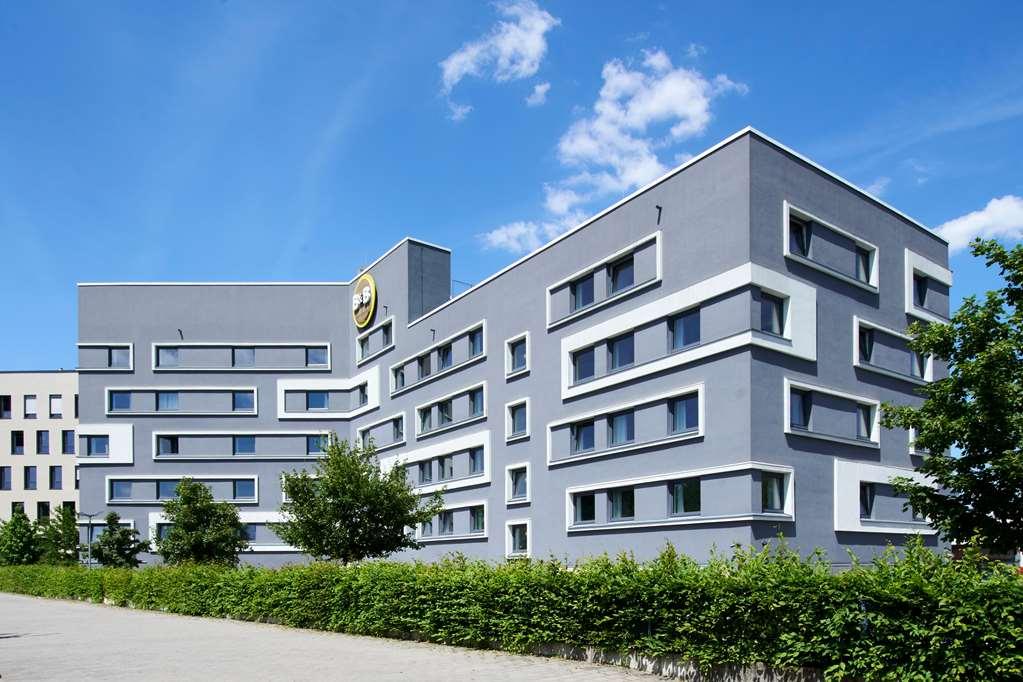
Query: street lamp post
(88, 536)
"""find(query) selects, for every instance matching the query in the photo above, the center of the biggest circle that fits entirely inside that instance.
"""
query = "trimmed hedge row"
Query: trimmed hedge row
(915, 616)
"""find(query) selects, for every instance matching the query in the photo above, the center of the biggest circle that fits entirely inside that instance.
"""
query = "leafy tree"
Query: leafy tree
(19, 541)
(978, 409)
(201, 530)
(118, 546)
(60, 543)
(349, 510)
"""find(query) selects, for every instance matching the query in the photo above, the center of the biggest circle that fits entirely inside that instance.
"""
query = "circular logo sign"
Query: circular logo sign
(364, 300)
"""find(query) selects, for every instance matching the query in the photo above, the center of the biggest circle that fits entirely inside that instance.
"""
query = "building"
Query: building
(701, 363)
(38, 416)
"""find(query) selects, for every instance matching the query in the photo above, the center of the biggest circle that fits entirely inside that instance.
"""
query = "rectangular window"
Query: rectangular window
(243, 401)
(685, 496)
(446, 523)
(385, 335)
(249, 532)
(56, 407)
(363, 346)
(314, 445)
(919, 290)
(163, 530)
(42, 442)
(476, 519)
(444, 412)
(475, 343)
(5, 478)
(866, 342)
(585, 507)
(243, 357)
(166, 357)
(17, 507)
(684, 414)
(398, 429)
(476, 402)
(800, 408)
(30, 407)
(518, 419)
(772, 491)
(684, 329)
(29, 476)
(621, 352)
(97, 446)
(42, 511)
(864, 421)
(621, 428)
(517, 355)
(620, 276)
(917, 364)
(166, 490)
(56, 478)
(622, 504)
(519, 538)
(426, 528)
(244, 489)
(867, 492)
(167, 445)
(862, 264)
(582, 436)
(425, 419)
(76, 406)
(5, 407)
(399, 378)
(67, 442)
(581, 292)
(316, 356)
(244, 445)
(362, 395)
(583, 364)
(120, 400)
(445, 467)
(166, 401)
(425, 472)
(119, 358)
(316, 400)
(771, 314)
(444, 357)
(17, 442)
(69, 505)
(424, 366)
(519, 483)
(476, 461)
(800, 233)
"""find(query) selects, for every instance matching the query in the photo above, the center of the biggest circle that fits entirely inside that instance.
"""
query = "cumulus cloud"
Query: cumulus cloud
(878, 187)
(523, 236)
(512, 50)
(539, 95)
(1001, 218)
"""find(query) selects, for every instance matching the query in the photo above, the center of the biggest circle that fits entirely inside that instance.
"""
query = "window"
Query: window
(771, 310)
(316, 356)
(519, 483)
(314, 445)
(249, 532)
(517, 355)
(424, 366)
(29, 476)
(119, 358)
(866, 344)
(362, 395)
(919, 290)
(56, 478)
(42, 442)
(446, 523)
(684, 329)
(864, 421)
(425, 419)
(443, 357)
(120, 400)
(862, 264)
(76, 406)
(800, 232)
(30, 407)
(517, 419)
(581, 292)
(621, 352)
(476, 519)
(399, 378)
(772, 491)
(445, 467)
(244, 489)
(166, 490)
(621, 428)
(622, 504)
(582, 436)
(385, 335)
(917, 364)
(363, 346)
(398, 429)
(426, 528)
(519, 538)
(243, 401)
(444, 412)
(800, 407)
(684, 414)
(867, 492)
(163, 530)
(243, 357)
(425, 472)
(69, 505)
(166, 401)
(5, 407)
(685, 496)
(17, 442)
(166, 357)
(97, 446)
(620, 276)
(244, 445)
(42, 511)
(475, 343)
(17, 507)
(56, 407)
(585, 507)
(476, 401)
(67, 442)
(316, 400)
(5, 478)
(583, 364)
(476, 461)
(167, 445)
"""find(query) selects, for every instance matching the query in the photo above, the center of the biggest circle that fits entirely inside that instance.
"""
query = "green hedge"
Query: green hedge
(917, 616)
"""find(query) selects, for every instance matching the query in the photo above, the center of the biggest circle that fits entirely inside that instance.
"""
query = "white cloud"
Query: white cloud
(1002, 217)
(560, 200)
(539, 95)
(878, 187)
(512, 50)
(524, 236)
(695, 50)
(458, 111)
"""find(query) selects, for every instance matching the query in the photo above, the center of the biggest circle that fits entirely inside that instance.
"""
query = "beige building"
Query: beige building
(38, 418)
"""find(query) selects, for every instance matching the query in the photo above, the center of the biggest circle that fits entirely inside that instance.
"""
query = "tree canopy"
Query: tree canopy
(118, 546)
(201, 530)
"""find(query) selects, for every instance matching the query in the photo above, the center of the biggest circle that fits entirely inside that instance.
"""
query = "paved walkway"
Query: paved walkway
(42, 639)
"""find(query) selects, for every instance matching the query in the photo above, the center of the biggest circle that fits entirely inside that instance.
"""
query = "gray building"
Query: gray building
(701, 363)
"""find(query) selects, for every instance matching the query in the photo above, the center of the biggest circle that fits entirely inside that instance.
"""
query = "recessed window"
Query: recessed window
(56, 477)
(477, 517)
(685, 496)
(167, 445)
(120, 490)
(244, 489)
(5, 478)
(42, 442)
(56, 407)
(917, 364)
(424, 366)
(244, 445)
(398, 429)
(249, 531)
(363, 346)
(385, 335)
(316, 356)
(445, 467)
(800, 232)
(444, 412)
(5, 407)
(620, 276)
(243, 401)
(425, 419)
(864, 421)
(863, 264)
(684, 329)
(97, 446)
(771, 314)
(29, 478)
(166, 401)
(118, 358)
(583, 364)
(476, 402)
(446, 523)
(622, 503)
(581, 292)
(684, 414)
(425, 472)
(17, 442)
(163, 530)
(362, 395)
(519, 538)
(426, 528)
(476, 460)
(243, 357)
(17, 507)
(120, 400)
(772, 491)
(30, 407)
(582, 436)
(67, 442)
(166, 490)
(867, 493)
(475, 343)
(866, 342)
(621, 352)
(166, 357)
(316, 400)
(517, 419)
(42, 511)
(919, 290)
(315, 445)
(800, 408)
(444, 358)
(517, 355)
(519, 483)
(621, 428)
(584, 507)
(399, 378)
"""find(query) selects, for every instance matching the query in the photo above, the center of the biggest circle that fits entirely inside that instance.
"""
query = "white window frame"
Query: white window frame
(915, 264)
(858, 323)
(481, 325)
(108, 345)
(121, 446)
(436, 537)
(848, 474)
(156, 345)
(224, 433)
(360, 432)
(874, 280)
(875, 413)
(508, 538)
(182, 389)
(510, 437)
(510, 501)
(477, 439)
(454, 424)
(370, 377)
(510, 373)
(359, 360)
(199, 478)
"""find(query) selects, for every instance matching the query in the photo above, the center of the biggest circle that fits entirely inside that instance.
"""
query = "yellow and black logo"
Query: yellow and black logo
(364, 300)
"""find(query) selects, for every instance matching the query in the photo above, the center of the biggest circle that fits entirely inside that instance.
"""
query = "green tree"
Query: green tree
(977, 410)
(118, 546)
(201, 530)
(348, 509)
(19, 541)
(60, 538)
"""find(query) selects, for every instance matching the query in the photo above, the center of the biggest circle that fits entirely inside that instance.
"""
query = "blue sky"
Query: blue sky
(299, 140)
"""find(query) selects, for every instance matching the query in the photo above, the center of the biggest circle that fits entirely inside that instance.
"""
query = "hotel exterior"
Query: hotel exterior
(701, 363)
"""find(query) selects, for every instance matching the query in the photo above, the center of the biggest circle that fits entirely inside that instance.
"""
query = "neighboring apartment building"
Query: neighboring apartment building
(701, 363)
(38, 417)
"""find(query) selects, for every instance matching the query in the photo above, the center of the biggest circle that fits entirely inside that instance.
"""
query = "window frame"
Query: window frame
(510, 370)
(509, 484)
(510, 433)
